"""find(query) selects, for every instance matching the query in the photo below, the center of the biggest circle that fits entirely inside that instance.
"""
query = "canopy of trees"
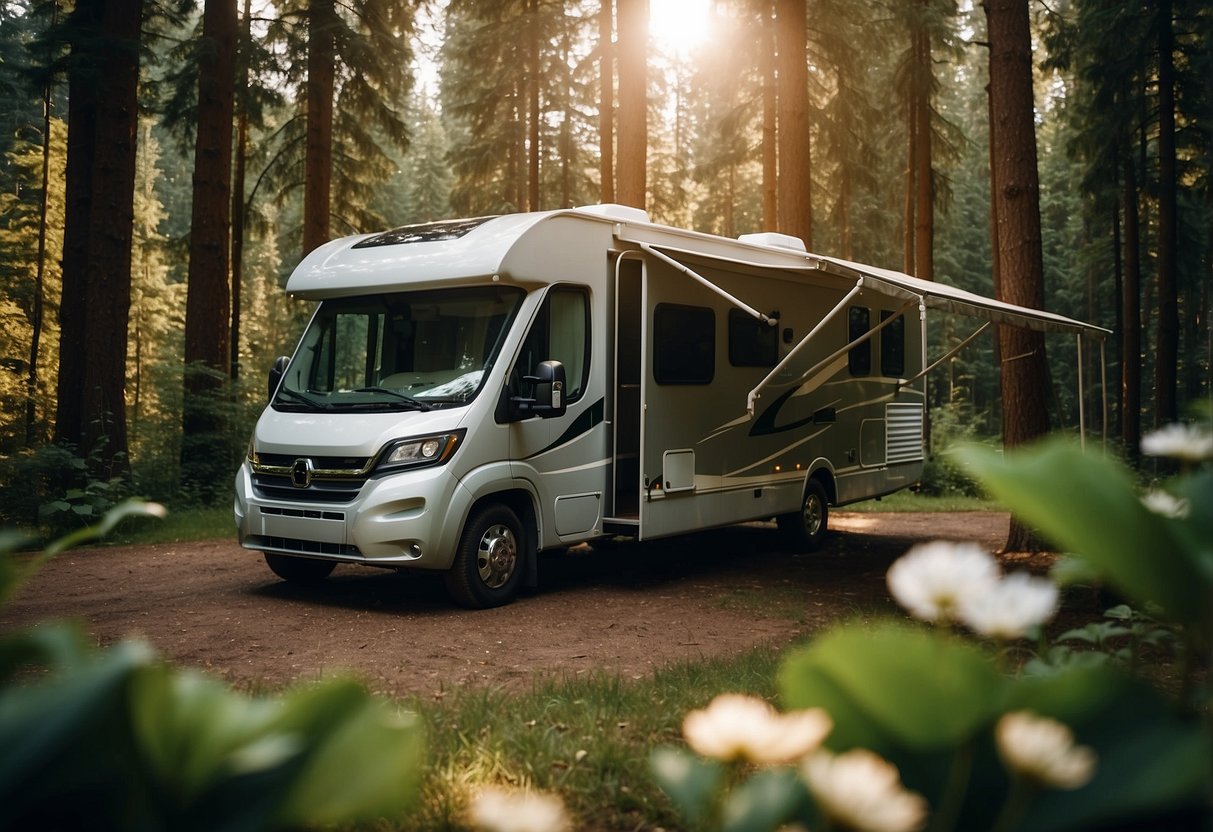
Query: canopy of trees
(165, 163)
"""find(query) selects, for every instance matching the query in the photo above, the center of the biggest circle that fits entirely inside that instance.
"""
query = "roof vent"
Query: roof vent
(611, 210)
(770, 238)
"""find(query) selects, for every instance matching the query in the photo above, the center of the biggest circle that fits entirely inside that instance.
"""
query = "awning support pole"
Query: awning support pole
(691, 273)
(1103, 389)
(753, 395)
(952, 352)
(1082, 421)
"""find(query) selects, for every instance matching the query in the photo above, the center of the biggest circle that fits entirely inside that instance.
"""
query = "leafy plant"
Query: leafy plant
(923, 717)
(114, 739)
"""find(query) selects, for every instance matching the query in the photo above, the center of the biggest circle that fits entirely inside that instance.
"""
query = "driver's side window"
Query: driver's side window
(560, 332)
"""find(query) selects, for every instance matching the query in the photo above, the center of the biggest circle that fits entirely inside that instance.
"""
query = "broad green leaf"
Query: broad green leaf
(361, 760)
(690, 781)
(922, 689)
(764, 802)
(1088, 506)
(1151, 762)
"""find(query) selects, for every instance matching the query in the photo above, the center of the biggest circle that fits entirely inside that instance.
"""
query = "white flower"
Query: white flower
(1189, 443)
(495, 809)
(1160, 502)
(933, 579)
(1043, 751)
(862, 791)
(1011, 607)
(739, 727)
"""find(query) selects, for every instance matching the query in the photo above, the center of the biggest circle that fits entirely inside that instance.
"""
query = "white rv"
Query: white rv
(471, 392)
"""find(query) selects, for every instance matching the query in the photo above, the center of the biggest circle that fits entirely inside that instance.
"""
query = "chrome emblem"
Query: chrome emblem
(301, 473)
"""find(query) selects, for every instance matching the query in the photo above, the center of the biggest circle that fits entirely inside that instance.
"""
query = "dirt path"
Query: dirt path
(624, 609)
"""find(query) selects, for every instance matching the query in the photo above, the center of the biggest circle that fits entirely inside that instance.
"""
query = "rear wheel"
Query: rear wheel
(488, 563)
(299, 570)
(805, 530)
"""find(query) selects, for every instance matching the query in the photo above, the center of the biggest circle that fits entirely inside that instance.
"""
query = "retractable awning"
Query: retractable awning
(672, 246)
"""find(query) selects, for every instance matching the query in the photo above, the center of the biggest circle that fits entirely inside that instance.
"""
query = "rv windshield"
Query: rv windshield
(400, 351)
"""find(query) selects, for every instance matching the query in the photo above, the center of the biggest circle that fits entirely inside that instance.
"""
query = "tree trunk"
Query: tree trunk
(238, 209)
(631, 173)
(208, 297)
(908, 223)
(318, 157)
(606, 103)
(795, 157)
(31, 379)
(1166, 353)
(533, 114)
(924, 180)
(1025, 389)
(770, 153)
(111, 227)
(78, 197)
(1130, 362)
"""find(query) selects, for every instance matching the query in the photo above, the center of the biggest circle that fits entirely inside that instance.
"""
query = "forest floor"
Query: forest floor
(626, 608)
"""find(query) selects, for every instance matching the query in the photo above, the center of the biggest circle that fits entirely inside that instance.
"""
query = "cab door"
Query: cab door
(564, 458)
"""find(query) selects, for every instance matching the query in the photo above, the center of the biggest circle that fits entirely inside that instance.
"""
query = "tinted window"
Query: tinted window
(684, 344)
(752, 343)
(859, 321)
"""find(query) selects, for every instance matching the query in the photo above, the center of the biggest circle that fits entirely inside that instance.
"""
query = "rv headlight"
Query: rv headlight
(419, 451)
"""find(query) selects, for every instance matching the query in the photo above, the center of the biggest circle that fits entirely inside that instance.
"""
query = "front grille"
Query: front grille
(310, 513)
(329, 463)
(275, 487)
(294, 544)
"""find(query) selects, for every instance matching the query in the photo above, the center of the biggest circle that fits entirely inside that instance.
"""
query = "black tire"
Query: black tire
(805, 530)
(488, 566)
(306, 571)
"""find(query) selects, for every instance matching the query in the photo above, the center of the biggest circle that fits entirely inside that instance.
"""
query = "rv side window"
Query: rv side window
(561, 332)
(684, 344)
(860, 357)
(893, 345)
(752, 343)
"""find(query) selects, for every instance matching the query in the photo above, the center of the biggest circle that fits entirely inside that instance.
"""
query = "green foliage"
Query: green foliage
(939, 707)
(1087, 504)
(113, 739)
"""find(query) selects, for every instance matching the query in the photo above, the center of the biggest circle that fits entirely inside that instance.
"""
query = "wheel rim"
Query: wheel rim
(497, 555)
(812, 515)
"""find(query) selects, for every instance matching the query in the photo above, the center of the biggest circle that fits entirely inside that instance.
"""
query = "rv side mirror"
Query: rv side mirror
(548, 390)
(276, 373)
(547, 393)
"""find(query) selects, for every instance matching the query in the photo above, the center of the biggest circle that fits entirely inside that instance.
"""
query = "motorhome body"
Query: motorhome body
(471, 392)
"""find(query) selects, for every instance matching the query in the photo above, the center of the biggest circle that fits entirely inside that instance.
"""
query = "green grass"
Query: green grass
(535, 739)
(181, 525)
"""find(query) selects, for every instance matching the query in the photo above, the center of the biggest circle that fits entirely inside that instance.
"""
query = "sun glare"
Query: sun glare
(678, 26)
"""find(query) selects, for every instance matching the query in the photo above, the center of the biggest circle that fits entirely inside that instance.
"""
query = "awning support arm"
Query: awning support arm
(691, 273)
(950, 353)
(753, 395)
(1082, 414)
(867, 336)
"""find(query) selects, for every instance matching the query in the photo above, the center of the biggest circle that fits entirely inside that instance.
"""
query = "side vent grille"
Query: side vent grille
(903, 433)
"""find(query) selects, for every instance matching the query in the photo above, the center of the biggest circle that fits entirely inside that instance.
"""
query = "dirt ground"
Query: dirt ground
(624, 608)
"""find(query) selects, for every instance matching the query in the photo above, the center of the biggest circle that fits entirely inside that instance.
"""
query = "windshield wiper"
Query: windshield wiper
(409, 400)
(286, 392)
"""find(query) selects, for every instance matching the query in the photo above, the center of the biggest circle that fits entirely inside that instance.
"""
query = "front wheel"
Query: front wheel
(299, 570)
(805, 530)
(488, 563)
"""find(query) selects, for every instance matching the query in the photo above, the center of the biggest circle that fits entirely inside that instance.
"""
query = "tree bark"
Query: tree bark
(795, 155)
(31, 378)
(1130, 362)
(78, 197)
(533, 114)
(1166, 354)
(631, 173)
(111, 227)
(1017, 196)
(238, 176)
(318, 156)
(924, 180)
(606, 102)
(770, 104)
